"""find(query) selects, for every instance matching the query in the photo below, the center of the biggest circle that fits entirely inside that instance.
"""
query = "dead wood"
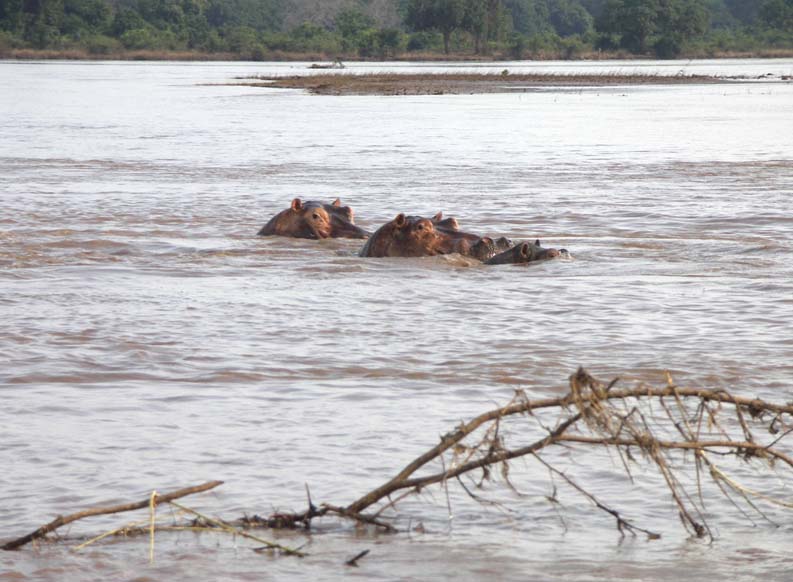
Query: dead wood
(61, 520)
(354, 560)
(657, 426)
(589, 415)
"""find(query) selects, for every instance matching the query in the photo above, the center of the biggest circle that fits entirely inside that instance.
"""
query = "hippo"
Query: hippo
(447, 224)
(314, 220)
(416, 236)
(405, 236)
(525, 253)
(466, 243)
(486, 248)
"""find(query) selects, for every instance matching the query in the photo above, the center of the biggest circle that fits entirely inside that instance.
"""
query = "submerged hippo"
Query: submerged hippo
(466, 243)
(526, 253)
(416, 236)
(405, 236)
(314, 220)
(486, 248)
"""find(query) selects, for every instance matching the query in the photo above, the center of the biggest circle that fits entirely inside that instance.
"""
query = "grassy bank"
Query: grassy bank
(440, 84)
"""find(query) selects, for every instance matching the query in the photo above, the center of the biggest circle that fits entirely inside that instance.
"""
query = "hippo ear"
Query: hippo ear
(438, 217)
(487, 240)
(400, 220)
(537, 243)
(336, 202)
(524, 250)
(297, 205)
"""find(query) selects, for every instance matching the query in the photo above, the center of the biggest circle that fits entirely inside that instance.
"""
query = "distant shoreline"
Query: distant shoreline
(465, 83)
(279, 56)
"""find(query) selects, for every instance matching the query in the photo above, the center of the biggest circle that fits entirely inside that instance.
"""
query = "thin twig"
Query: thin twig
(622, 523)
(239, 532)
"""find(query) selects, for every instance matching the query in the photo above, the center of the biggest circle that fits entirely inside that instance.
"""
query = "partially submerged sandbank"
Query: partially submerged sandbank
(461, 83)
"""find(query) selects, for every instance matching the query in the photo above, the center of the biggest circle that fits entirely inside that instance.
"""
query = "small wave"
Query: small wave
(84, 378)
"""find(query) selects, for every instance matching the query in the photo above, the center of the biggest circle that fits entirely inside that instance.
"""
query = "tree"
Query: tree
(745, 11)
(777, 14)
(126, 19)
(443, 15)
(678, 21)
(569, 17)
(529, 17)
(670, 22)
(390, 40)
(11, 15)
(475, 21)
(353, 25)
(635, 20)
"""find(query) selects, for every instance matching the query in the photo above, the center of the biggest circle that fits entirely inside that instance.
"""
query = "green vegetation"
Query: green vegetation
(272, 29)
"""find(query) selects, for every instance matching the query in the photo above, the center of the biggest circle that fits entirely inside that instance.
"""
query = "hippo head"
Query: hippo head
(314, 220)
(343, 212)
(342, 221)
(453, 240)
(525, 253)
(445, 224)
(486, 248)
(405, 236)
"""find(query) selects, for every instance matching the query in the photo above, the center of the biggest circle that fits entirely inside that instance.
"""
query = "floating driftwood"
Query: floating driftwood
(635, 422)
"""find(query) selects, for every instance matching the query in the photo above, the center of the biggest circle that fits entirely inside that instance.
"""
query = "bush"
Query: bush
(517, 46)
(668, 46)
(100, 44)
(572, 47)
(390, 41)
(425, 40)
(277, 41)
(7, 41)
(137, 39)
(543, 42)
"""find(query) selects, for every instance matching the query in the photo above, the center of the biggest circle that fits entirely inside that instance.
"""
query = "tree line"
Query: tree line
(261, 29)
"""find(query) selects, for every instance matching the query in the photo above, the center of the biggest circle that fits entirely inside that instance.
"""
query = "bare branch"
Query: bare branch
(60, 521)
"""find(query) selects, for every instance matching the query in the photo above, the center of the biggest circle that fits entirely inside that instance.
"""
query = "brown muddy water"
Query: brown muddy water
(150, 341)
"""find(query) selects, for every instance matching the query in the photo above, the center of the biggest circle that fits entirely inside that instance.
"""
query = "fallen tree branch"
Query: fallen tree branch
(583, 399)
(60, 521)
(708, 423)
(594, 404)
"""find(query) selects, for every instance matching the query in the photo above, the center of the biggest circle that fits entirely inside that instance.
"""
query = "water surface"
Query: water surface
(150, 341)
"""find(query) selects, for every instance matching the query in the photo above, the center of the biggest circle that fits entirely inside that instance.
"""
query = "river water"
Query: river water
(150, 341)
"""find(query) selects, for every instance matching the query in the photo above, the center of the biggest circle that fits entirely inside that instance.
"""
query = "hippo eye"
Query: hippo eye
(420, 227)
(316, 216)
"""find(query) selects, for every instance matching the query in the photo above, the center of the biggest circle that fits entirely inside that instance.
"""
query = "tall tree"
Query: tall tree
(475, 22)
(669, 22)
(635, 20)
(569, 17)
(746, 11)
(445, 16)
(529, 17)
(777, 14)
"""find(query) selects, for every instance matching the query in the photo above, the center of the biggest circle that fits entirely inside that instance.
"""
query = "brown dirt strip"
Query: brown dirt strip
(454, 83)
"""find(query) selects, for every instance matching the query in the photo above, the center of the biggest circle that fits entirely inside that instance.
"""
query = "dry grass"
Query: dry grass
(459, 83)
